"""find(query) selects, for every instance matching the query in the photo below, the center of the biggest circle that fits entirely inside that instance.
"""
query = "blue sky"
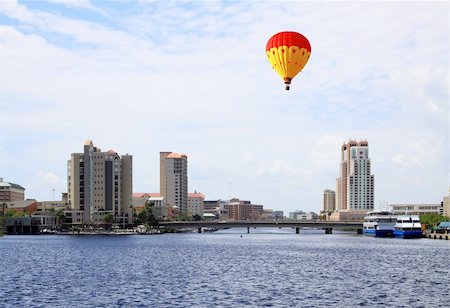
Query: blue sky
(142, 77)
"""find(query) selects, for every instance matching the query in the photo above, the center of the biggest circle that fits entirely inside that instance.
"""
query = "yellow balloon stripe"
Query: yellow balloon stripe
(288, 61)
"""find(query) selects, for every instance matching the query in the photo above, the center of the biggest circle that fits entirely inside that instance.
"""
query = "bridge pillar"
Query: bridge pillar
(328, 230)
(297, 230)
(199, 229)
(248, 230)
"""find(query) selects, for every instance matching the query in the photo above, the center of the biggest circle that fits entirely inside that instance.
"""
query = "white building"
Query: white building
(159, 206)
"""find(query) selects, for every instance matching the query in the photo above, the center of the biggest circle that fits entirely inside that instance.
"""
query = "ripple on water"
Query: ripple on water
(223, 270)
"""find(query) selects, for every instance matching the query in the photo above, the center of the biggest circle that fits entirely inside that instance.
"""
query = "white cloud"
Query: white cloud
(82, 4)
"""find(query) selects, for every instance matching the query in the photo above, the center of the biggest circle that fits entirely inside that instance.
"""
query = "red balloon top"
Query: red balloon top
(288, 38)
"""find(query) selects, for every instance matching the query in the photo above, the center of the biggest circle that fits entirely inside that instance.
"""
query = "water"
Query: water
(265, 268)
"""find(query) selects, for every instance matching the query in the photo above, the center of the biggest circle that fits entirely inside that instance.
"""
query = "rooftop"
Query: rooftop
(176, 155)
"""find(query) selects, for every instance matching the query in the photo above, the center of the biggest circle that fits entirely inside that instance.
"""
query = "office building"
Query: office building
(173, 180)
(99, 183)
(11, 192)
(355, 186)
(243, 210)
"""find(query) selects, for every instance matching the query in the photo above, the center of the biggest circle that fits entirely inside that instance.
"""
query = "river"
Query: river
(228, 268)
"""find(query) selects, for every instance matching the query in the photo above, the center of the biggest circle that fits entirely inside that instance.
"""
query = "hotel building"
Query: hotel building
(173, 182)
(99, 183)
(355, 186)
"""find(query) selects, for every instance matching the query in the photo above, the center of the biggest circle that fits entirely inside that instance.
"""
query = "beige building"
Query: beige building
(45, 206)
(11, 192)
(418, 209)
(195, 204)
(446, 205)
(174, 180)
(329, 200)
(355, 186)
(99, 183)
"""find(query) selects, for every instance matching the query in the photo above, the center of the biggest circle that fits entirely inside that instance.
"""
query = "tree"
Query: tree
(60, 218)
(4, 206)
(182, 216)
(146, 217)
(108, 218)
(432, 219)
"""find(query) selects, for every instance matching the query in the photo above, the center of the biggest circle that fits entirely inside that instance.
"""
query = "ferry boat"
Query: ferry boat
(408, 226)
(379, 223)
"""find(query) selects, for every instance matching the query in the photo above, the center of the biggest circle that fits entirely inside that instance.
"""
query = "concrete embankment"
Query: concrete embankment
(437, 234)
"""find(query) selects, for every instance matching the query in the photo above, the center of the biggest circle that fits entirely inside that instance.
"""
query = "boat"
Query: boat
(379, 223)
(408, 226)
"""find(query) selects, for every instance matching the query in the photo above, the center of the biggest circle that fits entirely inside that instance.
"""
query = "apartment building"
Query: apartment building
(174, 180)
(99, 183)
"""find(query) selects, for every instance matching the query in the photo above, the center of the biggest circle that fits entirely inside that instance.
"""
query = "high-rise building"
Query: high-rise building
(173, 181)
(99, 183)
(329, 200)
(355, 186)
(11, 192)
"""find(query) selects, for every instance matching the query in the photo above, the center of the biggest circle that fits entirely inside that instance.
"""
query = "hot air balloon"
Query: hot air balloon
(288, 53)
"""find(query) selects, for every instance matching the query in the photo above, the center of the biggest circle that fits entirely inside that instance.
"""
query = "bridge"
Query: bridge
(328, 226)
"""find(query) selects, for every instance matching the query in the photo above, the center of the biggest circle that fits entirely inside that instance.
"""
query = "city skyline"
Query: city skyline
(133, 77)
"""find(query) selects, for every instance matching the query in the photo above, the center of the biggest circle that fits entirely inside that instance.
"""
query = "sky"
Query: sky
(141, 77)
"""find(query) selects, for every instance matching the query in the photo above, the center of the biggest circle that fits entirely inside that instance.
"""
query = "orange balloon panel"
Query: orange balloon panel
(288, 52)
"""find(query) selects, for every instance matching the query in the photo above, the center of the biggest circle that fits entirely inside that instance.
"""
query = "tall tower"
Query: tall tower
(355, 186)
(329, 200)
(100, 183)
(173, 179)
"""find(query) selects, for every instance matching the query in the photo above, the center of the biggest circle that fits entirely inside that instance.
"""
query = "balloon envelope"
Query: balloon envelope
(288, 52)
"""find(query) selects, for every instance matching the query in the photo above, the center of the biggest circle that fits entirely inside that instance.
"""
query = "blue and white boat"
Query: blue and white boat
(408, 226)
(379, 223)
